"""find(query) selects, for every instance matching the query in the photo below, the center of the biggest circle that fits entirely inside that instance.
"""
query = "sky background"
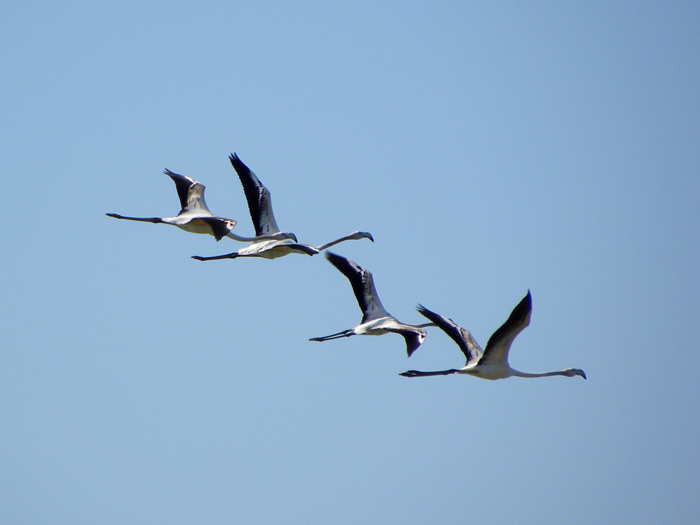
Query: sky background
(490, 148)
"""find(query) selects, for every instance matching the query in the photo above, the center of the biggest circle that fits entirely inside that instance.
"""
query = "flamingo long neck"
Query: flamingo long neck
(354, 236)
(332, 243)
(517, 373)
(240, 238)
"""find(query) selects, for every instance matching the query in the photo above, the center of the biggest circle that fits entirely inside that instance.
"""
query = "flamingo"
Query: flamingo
(194, 216)
(265, 244)
(375, 319)
(491, 363)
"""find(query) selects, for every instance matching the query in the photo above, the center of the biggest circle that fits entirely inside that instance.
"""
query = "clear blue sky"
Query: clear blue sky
(490, 148)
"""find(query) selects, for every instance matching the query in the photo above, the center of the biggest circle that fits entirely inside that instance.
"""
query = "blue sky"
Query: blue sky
(490, 149)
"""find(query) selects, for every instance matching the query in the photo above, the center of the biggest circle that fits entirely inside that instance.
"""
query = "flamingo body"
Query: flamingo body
(194, 216)
(375, 319)
(270, 242)
(491, 363)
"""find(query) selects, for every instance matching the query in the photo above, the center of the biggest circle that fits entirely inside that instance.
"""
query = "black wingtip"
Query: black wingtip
(429, 314)
(526, 301)
(343, 264)
(236, 161)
